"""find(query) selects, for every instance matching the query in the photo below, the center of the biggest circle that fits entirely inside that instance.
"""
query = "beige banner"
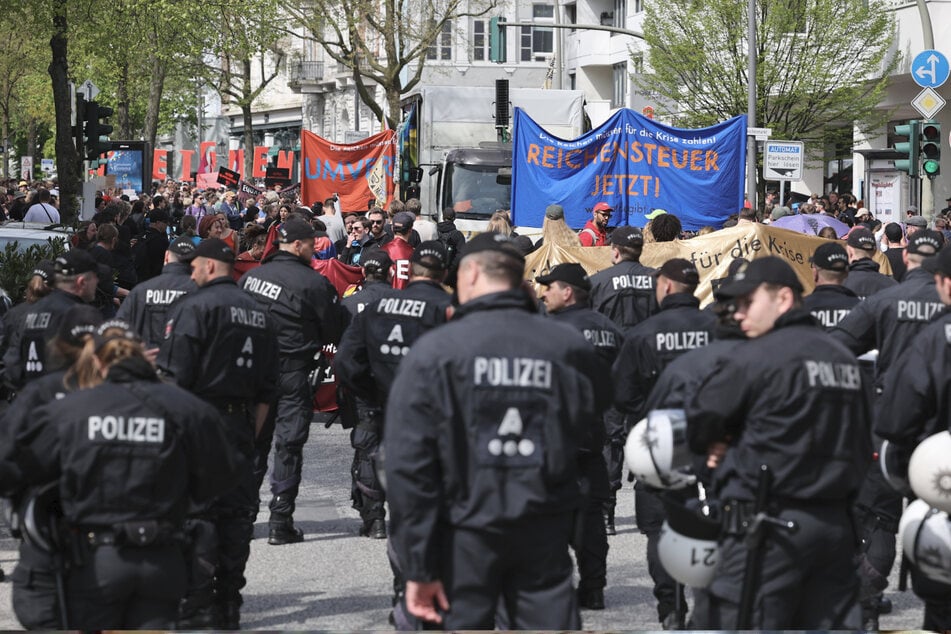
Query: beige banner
(711, 253)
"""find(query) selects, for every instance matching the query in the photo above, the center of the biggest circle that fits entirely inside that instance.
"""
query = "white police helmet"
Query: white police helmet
(895, 473)
(925, 535)
(687, 547)
(929, 471)
(656, 450)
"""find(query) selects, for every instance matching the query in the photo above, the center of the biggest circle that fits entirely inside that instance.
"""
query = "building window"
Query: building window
(638, 6)
(543, 12)
(619, 96)
(572, 81)
(571, 15)
(480, 40)
(441, 48)
(620, 13)
(537, 43)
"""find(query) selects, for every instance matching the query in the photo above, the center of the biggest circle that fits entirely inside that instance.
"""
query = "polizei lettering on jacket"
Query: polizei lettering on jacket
(829, 317)
(263, 287)
(840, 376)
(162, 296)
(244, 317)
(687, 340)
(404, 307)
(37, 321)
(141, 429)
(512, 372)
(911, 310)
(637, 282)
(600, 338)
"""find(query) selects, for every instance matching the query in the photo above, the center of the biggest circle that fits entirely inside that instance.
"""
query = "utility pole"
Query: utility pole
(751, 104)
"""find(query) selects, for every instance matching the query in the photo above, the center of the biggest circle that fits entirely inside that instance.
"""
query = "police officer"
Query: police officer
(307, 314)
(35, 600)
(678, 327)
(565, 294)
(144, 450)
(791, 399)
(914, 406)
(864, 278)
(888, 321)
(147, 304)
(624, 292)
(220, 345)
(377, 270)
(481, 439)
(75, 279)
(831, 300)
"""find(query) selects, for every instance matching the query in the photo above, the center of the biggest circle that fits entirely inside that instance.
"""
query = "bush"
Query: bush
(17, 265)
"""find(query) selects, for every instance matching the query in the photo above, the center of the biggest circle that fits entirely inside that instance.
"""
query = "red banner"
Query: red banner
(357, 173)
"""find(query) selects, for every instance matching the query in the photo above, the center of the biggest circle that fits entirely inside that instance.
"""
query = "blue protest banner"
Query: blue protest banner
(633, 163)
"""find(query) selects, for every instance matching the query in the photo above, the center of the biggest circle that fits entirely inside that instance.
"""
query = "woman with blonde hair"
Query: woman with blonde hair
(130, 453)
(501, 222)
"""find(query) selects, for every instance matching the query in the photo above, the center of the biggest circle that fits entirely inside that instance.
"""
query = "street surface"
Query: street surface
(337, 580)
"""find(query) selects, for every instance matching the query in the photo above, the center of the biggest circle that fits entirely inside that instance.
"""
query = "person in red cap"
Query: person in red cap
(594, 233)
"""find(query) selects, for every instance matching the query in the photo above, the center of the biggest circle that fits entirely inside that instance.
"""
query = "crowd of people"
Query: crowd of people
(162, 361)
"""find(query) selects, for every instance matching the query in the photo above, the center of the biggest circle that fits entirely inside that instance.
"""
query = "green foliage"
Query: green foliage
(821, 64)
(16, 266)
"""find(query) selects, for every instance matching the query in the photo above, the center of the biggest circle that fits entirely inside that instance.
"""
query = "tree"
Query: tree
(378, 39)
(67, 159)
(813, 76)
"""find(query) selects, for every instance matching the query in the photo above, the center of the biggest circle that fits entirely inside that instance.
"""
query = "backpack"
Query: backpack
(446, 238)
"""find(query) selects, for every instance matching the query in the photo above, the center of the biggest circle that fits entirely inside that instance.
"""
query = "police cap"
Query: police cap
(374, 258)
(569, 273)
(924, 243)
(294, 229)
(940, 263)
(431, 254)
(213, 249)
(766, 270)
(861, 238)
(75, 262)
(627, 237)
(831, 256)
(45, 269)
(679, 270)
(491, 241)
(78, 322)
(182, 247)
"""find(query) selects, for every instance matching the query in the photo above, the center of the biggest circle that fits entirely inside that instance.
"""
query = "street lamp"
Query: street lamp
(751, 103)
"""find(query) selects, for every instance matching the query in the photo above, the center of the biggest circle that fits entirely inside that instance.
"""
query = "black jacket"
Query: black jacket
(830, 303)
(372, 290)
(303, 305)
(792, 399)
(864, 279)
(624, 293)
(483, 423)
(131, 449)
(889, 320)
(382, 335)
(650, 346)
(150, 255)
(146, 307)
(220, 345)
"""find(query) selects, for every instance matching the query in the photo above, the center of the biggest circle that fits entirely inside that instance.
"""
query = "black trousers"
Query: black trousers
(589, 540)
(126, 588)
(35, 600)
(527, 567)
(293, 415)
(650, 517)
(808, 579)
(366, 491)
(615, 435)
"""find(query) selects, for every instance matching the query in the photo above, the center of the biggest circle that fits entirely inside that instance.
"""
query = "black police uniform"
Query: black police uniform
(830, 303)
(220, 345)
(914, 406)
(372, 290)
(888, 321)
(649, 347)
(624, 293)
(865, 279)
(25, 358)
(35, 600)
(146, 307)
(129, 455)
(306, 312)
(368, 357)
(590, 541)
(793, 400)
(151, 254)
(482, 434)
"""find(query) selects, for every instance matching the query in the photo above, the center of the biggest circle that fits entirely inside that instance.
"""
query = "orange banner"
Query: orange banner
(357, 173)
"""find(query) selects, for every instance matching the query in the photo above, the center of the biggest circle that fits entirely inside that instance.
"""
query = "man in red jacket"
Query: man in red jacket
(594, 233)
(399, 249)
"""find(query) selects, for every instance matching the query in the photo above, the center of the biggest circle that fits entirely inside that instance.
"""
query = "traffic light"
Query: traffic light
(497, 40)
(930, 144)
(97, 130)
(908, 148)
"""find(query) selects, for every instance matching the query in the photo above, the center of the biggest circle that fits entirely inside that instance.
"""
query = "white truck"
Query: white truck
(454, 155)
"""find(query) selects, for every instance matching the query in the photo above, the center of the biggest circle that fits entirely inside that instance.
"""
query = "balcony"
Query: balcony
(305, 76)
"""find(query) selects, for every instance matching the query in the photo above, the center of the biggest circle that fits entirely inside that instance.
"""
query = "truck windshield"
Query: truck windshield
(473, 192)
